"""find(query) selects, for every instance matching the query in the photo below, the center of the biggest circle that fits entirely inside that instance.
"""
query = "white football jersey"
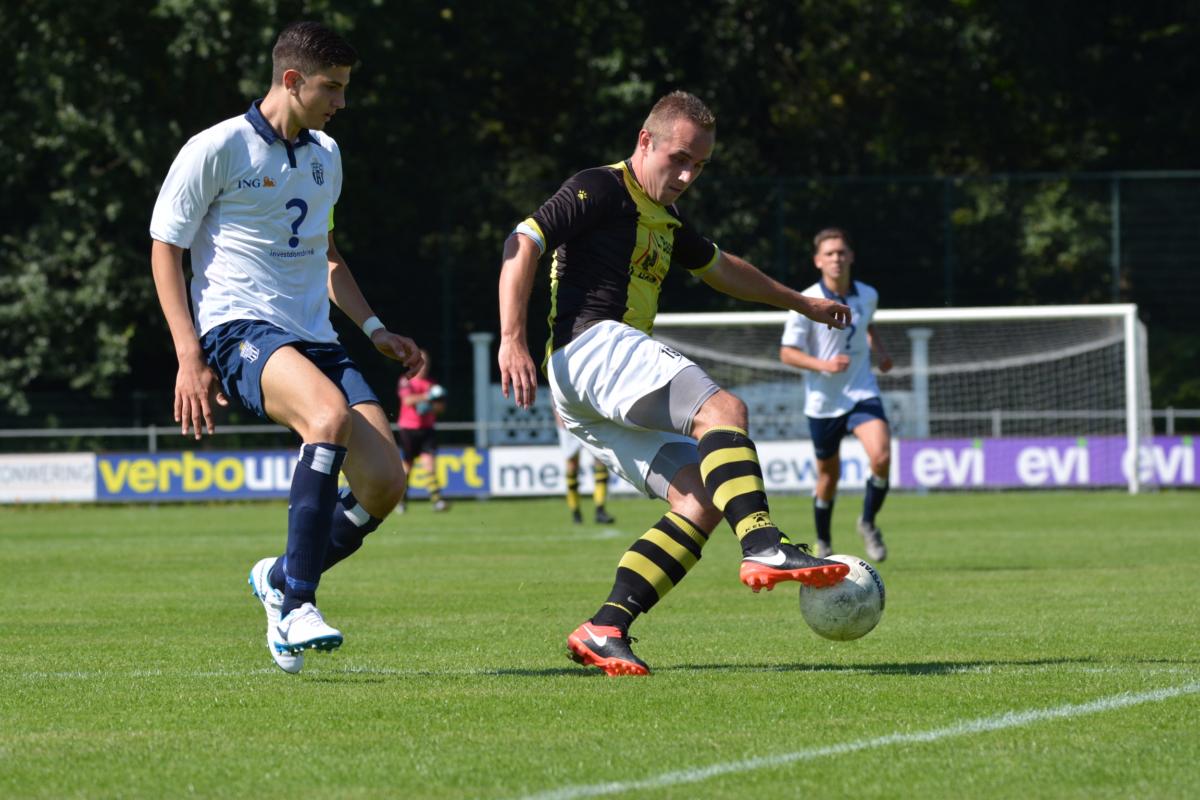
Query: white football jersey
(256, 212)
(831, 394)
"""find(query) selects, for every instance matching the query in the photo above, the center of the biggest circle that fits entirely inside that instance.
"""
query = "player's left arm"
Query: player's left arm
(344, 292)
(883, 358)
(738, 278)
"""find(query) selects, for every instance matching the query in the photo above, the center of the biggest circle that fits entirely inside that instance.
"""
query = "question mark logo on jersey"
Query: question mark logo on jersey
(303, 206)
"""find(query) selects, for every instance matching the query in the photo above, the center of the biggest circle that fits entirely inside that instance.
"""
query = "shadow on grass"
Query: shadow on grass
(924, 667)
(376, 675)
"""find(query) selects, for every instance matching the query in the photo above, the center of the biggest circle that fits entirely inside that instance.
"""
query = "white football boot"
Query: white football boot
(873, 540)
(305, 629)
(272, 600)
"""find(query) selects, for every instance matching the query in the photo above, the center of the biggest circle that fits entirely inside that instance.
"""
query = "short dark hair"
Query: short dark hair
(831, 233)
(675, 105)
(309, 47)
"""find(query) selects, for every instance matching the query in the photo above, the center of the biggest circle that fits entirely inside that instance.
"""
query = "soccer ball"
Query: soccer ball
(849, 609)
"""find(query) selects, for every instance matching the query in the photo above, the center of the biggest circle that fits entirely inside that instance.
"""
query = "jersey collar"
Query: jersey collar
(263, 128)
(831, 295)
(627, 165)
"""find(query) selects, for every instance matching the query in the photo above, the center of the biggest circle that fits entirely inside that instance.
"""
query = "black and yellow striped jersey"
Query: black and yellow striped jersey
(612, 248)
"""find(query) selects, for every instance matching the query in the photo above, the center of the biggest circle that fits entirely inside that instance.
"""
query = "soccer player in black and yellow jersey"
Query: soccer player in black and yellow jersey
(640, 407)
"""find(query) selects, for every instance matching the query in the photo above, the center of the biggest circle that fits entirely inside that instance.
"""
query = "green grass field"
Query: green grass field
(1034, 645)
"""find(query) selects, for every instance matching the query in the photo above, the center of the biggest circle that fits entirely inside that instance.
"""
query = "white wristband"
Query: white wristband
(371, 325)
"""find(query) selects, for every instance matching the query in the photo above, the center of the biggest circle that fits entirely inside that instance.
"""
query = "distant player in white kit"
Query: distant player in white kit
(252, 198)
(841, 395)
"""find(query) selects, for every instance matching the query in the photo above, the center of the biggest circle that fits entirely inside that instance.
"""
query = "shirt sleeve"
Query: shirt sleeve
(692, 251)
(871, 304)
(193, 182)
(574, 209)
(795, 331)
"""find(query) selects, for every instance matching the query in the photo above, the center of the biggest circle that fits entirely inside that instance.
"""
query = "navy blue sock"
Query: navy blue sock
(877, 489)
(310, 515)
(351, 524)
(823, 518)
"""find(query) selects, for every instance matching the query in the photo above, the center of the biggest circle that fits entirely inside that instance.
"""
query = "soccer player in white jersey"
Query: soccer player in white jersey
(643, 409)
(841, 395)
(252, 198)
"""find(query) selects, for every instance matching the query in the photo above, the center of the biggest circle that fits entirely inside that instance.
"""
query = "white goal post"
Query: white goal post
(960, 373)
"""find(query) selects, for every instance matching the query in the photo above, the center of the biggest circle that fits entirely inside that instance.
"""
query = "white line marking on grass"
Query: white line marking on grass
(1011, 719)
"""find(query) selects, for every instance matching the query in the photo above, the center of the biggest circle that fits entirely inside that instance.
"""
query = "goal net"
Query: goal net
(1035, 371)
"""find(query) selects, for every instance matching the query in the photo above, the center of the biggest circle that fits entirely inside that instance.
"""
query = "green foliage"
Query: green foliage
(463, 117)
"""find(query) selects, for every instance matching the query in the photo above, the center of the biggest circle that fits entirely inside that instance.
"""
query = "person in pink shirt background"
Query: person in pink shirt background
(420, 403)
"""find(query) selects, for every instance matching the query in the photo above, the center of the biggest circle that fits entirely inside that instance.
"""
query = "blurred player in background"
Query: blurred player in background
(841, 394)
(420, 404)
(646, 411)
(571, 448)
(252, 198)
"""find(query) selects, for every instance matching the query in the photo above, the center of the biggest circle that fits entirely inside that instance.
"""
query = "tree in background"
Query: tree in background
(463, 116)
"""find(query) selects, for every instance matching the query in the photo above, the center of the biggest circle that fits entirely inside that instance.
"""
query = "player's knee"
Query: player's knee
(379, 487)
(734, 411)
(829, 468)
(387, 488)
(332, 423)
(881, 463)
(723, 409)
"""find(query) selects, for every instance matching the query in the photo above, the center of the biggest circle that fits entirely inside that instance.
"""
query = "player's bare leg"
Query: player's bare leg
(297, 394)
(733, 480)
(829, 471)
(877, 441)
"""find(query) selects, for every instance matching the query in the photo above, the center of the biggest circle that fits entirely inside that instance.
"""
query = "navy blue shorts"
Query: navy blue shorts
(238, 350)
(827, 432)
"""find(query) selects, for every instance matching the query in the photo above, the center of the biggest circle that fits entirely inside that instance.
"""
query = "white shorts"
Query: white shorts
(568, 443)
(597, 378)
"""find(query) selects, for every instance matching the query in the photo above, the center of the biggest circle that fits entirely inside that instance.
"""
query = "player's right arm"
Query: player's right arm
(796, 342)
(517, 272)
(573, 210)
(795, 357)
(195, 381)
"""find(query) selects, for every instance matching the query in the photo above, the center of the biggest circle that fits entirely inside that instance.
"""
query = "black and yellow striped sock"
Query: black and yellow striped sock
(731, 473)
(600, 492)
(435, 491)
(651, 568)
(573, 492)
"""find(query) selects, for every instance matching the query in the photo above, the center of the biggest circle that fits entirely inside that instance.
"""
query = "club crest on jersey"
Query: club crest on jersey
(248, 351)
(318, 173)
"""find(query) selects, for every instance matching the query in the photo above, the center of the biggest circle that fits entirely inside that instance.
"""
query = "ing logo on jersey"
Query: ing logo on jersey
(248, 351)
(582, 195)
(318, 173)
(256, 183)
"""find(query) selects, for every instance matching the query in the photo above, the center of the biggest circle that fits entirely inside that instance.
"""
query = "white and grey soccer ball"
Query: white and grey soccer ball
(849, 609)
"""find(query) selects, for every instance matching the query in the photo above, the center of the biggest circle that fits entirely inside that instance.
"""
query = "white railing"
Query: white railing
(152, 433)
